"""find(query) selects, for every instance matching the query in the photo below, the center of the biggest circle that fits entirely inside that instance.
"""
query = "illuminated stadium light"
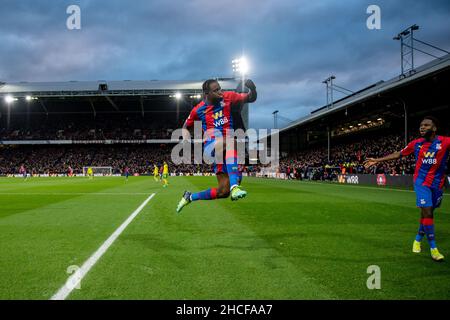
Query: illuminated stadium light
(240, 65)
(199, 96)
(9, 99)
(177, 95)
(28, 98)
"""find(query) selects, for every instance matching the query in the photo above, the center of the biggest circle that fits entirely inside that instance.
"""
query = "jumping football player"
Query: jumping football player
(215, 114)
(431, 153)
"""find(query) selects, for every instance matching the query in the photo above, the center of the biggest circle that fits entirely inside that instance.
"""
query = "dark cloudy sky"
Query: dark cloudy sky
(292, 45)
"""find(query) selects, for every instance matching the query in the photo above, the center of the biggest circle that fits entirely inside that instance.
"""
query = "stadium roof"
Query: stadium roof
(427, 69)
(124, 87)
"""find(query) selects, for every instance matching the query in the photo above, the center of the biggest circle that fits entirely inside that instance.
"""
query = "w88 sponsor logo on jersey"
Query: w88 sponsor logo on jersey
(429, 158)
(220, 121)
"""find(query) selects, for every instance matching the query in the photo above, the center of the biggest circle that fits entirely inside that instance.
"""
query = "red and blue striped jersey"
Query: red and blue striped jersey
(431, 160)
(216, 117)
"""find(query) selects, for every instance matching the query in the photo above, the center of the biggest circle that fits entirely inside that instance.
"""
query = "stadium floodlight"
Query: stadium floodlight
(240, 66)
(405, 33)
(329, 79)
(178, 95)
(9, 99)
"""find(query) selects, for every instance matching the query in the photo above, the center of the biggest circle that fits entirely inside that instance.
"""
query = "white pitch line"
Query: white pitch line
(372, 188)
(76, 278)
(352, 185)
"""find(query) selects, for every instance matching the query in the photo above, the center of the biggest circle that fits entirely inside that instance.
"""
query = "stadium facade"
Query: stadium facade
(47, 102)
(332, 142)
(51, 126)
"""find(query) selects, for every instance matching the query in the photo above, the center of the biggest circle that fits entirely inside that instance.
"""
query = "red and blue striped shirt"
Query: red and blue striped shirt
(216, 117)
(431, 160)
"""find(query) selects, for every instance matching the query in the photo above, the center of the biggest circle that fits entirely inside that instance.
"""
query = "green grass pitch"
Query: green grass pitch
(286, 240)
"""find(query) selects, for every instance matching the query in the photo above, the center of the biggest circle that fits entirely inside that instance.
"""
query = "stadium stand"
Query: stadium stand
(53, 125)
(128, 124)
(347, 158)
(374, 121)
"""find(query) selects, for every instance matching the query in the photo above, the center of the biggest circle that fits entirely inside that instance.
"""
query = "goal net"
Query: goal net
(98, 171)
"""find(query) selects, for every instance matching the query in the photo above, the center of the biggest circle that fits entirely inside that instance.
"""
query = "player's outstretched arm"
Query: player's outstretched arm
(371, 161)
(252, 95)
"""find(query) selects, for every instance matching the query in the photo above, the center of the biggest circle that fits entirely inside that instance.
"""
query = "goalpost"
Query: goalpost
(99, 171)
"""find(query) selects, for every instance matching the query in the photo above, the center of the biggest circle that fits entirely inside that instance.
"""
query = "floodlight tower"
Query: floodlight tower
(406, 38)
(330, 89)
(329, 83)
(407, 49)
(275, 119)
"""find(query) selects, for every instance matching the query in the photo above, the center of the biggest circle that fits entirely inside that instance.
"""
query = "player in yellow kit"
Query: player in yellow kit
(155, 173)
(165, 175)
(90, 173)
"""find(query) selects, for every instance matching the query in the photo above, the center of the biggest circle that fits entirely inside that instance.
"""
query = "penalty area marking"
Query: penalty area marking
(73, 281)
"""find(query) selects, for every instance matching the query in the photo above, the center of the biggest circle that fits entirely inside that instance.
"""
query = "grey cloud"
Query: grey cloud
(293, 45)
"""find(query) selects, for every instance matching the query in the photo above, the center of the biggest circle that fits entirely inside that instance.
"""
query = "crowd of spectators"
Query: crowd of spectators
(140, 159)
(348, 158)
(345, 157)
(119, 128)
